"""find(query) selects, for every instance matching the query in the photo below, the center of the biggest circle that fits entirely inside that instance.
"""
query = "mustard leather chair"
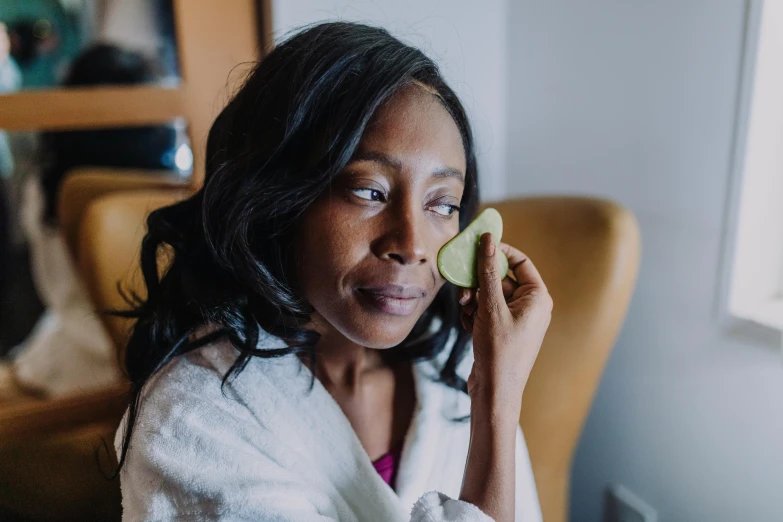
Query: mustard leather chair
(109, 245)
(84, 185)
(587, 251)
(49, 458)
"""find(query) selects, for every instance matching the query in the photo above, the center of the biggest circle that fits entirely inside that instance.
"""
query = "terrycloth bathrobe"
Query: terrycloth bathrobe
(271, 448)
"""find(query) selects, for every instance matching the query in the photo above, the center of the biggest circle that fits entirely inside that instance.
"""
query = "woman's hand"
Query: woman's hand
(508, 320)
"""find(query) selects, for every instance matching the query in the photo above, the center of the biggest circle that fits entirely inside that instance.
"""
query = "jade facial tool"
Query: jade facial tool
(457, 260)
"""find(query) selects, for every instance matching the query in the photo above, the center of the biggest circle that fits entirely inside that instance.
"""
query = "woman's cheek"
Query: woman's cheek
(329, 244)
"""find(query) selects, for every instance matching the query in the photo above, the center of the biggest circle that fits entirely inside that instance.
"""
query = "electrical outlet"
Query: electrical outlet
(623, 506)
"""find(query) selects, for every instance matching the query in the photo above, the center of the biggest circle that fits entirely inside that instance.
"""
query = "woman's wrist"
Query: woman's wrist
(497, 387)
(489, 481)
(496, 404)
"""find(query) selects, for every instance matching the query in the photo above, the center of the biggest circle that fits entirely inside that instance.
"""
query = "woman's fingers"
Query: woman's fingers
(469, 297)
(509, 286)
(523, 268)
(470, 308)
(490, 298)
(466, 296)
(470, 302)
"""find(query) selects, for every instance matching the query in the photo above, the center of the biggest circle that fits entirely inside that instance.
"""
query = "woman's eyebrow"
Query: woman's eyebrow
(449, 172)
(385, 159)
(378, 157)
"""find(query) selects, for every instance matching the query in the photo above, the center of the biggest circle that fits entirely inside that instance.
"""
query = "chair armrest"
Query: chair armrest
(20, 421)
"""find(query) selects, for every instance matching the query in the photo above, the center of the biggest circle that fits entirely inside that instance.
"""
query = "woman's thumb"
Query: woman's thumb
(490, 295)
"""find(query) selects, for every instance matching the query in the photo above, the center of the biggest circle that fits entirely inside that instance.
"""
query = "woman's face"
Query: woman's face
(367, 248)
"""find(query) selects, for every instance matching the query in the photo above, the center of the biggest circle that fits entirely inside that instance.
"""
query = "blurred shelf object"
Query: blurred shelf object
(78, 108)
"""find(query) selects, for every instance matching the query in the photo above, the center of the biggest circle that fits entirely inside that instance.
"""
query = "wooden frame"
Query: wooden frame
(75, 108)
(36, 418)
(211, 40)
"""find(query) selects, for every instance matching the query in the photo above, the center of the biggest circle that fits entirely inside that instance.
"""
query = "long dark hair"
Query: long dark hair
(286, 134)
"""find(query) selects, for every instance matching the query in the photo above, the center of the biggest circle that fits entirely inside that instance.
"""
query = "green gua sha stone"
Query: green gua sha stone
(457, 260)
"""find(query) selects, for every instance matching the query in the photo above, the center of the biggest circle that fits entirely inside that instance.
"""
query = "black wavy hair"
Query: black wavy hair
(287, 133)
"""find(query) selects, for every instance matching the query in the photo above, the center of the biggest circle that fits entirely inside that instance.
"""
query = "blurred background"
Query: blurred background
(47, 44)
(672, 109)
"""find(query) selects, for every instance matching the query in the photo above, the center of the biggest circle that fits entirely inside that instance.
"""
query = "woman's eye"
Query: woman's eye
(368, 194)
(445, 210)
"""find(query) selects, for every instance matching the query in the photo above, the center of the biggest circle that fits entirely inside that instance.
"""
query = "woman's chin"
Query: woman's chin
(379, 334)
(371, 330)
(378, 341)
(382, 344)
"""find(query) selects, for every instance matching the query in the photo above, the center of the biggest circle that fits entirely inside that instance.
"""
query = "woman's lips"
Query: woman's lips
(393, 299)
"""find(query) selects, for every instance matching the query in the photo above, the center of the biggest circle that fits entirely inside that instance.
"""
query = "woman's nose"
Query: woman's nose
(404, 239)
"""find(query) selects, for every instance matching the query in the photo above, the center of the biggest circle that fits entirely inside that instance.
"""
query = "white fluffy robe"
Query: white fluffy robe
(270, 448)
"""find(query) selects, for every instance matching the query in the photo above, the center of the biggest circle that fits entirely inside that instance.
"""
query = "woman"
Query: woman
(300, 360)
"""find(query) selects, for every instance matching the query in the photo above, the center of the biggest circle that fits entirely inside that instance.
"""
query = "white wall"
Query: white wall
(466, 38)
(758, 261)
(635, 101)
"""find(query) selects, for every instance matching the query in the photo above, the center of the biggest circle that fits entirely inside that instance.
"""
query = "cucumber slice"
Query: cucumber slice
(457, 260)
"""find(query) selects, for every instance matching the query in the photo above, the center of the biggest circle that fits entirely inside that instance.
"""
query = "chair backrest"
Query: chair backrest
(587, 251)
(84, 185)
(109, 248)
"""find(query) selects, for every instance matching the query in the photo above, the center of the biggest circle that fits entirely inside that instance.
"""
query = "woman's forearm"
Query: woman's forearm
(508, 321)
(489, 481)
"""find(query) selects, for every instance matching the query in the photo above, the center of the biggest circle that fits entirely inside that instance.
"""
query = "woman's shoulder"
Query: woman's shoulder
(196, 372)
(186, 392)
(204, 367)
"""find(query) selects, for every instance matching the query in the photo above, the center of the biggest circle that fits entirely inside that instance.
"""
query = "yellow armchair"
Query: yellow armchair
(587, 251)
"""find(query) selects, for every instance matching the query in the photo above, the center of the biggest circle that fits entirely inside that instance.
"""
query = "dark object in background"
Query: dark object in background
(135, 147)
(24, 44)
(168, 56)
(5, 240)
(19, 302)
(29, 39)
(149, 147)
(107, 64)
